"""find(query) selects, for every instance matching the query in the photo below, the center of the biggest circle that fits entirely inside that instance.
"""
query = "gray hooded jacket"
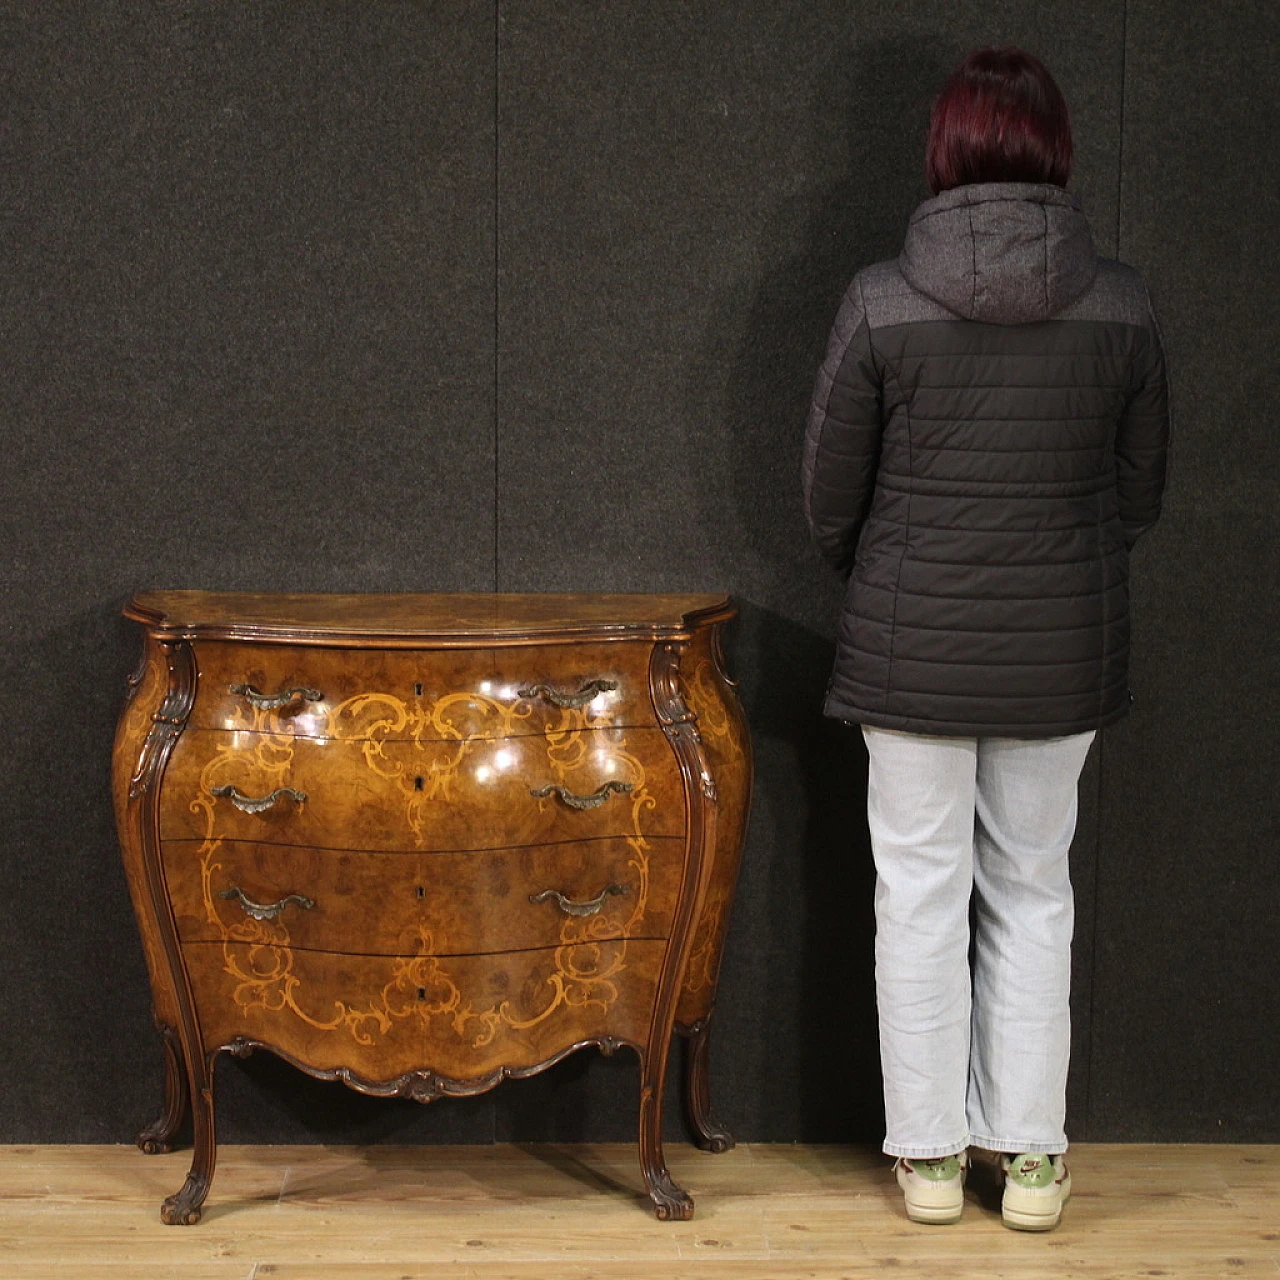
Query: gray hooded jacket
(986, 442)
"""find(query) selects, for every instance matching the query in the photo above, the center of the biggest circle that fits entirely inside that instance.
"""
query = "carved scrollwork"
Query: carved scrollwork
(426, 1085)
(168, 721)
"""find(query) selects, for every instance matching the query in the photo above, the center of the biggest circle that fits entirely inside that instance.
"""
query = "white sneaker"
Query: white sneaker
(934, 1189)
(1036, 1187)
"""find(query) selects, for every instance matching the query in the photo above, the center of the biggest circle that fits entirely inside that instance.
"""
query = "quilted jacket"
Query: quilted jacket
(986, 443)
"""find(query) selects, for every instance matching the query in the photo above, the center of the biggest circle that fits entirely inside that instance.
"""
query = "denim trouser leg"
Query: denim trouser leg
(920, 809)
(949, 816)
(1024, 916)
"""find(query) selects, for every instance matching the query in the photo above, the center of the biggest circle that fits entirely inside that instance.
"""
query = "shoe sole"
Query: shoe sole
(944, 1209)
(1026, 1217)
(935, 1216)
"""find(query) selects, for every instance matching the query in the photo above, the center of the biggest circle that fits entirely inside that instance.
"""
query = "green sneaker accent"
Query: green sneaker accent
(1032, 1170)
(942, 1169)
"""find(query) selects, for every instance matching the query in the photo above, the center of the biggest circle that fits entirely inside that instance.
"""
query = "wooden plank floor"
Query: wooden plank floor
(576, 1213)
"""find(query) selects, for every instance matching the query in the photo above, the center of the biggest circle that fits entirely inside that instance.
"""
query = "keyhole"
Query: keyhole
(417, 784)
(417, 688)
(422, 893)
(422, 993)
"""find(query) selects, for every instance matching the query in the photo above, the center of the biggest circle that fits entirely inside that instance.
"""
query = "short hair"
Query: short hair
(999, 118)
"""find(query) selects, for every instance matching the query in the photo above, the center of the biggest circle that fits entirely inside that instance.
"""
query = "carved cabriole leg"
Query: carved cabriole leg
(679, 724)
(157, 1137)
(712, 1135)
(182, 1209)
(138, 800)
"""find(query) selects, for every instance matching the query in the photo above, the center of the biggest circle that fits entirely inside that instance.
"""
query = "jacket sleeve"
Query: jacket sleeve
(1142, 437)
(842, 437)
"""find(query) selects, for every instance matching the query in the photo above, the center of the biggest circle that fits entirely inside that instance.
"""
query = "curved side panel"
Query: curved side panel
(726, 742)
(133, 757)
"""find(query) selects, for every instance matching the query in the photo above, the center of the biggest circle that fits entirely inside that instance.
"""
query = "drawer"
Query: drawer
(437, 903)
(401, 796)
(462, 1016)
(396, 695)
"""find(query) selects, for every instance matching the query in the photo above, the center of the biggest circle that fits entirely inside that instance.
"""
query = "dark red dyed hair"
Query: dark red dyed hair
(1000, 118)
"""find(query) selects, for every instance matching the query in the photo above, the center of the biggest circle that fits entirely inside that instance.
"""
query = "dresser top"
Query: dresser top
(407, 619)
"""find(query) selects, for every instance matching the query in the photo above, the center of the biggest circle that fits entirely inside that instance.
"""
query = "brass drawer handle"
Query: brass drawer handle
(568, 700)
(592, 801)
(268, 911)
(571, 908)
(256, 804)
(274, 701)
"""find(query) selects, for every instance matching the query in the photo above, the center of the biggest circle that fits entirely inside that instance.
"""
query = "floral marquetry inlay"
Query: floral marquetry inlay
(258, 953)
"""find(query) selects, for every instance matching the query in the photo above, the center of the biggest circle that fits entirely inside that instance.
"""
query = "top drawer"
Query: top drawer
(421, 695)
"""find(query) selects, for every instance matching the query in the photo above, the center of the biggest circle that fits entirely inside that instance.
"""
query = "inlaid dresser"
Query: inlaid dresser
(421, 843)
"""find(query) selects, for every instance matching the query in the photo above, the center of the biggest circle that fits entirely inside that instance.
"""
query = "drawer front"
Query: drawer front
(403, 796)
(438, 903)
(421, 695)
(461, 1016)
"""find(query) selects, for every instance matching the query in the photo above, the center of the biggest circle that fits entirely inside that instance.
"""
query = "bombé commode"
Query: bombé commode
(422, 843)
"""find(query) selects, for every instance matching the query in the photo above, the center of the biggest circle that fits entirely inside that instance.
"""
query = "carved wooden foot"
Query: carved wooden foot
(712, 1135)
(157, 1137)
(671, 1202)
(183, 1209)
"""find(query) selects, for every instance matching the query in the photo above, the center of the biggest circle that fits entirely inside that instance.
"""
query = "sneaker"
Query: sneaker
(934, 1189)
(1036, 1187)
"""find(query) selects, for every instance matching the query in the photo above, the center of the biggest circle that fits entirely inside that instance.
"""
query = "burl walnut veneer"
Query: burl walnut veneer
(422, 843)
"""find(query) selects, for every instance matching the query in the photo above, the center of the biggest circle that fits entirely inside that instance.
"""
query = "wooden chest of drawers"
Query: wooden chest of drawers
(422, 843)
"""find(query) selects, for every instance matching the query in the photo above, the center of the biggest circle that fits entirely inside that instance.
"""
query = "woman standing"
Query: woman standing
(986, 444)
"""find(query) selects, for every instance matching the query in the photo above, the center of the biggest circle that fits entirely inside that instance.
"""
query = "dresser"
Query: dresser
(422, 843)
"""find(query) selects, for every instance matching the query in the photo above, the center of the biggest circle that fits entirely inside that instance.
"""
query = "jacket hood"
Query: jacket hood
(1002, 252)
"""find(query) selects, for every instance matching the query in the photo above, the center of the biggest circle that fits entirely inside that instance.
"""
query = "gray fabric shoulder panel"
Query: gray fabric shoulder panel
(1118, 294)
(890, 300)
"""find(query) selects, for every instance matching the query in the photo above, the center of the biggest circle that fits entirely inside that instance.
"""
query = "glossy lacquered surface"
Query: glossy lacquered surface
(439, 903)
(422, 695)
(420, 844)
(469, 794)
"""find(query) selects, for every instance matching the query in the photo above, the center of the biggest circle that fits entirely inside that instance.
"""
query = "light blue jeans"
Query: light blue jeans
(973, 1060)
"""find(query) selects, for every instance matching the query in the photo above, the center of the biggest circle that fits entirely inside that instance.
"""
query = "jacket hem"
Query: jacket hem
(967, 729)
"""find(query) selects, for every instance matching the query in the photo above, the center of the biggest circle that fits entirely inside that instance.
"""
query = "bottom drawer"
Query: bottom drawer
(460, 1016)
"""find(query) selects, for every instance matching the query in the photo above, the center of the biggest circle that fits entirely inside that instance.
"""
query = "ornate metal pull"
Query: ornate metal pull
(265, 911)
(274, 701)
(592, 801)
(571, 908)
(568, 700)
(256, 804)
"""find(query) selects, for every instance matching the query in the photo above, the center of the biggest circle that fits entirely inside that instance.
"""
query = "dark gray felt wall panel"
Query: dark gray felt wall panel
(250, 306)
(248, 316)
(1189, 878)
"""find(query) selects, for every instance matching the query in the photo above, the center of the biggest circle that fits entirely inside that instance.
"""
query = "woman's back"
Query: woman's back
(986, 441)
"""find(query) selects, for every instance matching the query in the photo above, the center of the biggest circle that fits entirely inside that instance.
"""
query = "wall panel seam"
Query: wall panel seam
(497, 313)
